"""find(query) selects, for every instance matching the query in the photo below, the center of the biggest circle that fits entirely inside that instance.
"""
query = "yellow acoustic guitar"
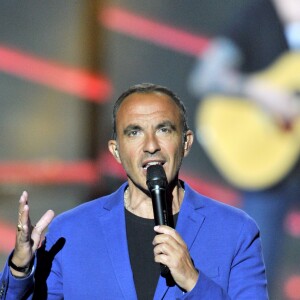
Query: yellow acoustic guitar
(245, 143)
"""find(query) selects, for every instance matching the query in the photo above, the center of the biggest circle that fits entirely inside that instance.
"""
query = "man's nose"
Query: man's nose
(151, 143)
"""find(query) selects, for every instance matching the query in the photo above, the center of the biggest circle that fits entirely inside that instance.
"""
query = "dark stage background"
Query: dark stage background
(62, 64)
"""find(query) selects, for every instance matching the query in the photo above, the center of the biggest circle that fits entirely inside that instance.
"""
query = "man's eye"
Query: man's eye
(165, 130)
(133, 133)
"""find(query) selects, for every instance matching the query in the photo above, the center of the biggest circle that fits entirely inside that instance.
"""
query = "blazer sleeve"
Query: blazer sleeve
(247, 278)
(44, 282)
(12, 288)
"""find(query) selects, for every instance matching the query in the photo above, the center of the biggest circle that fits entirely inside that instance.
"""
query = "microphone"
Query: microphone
(157, 184)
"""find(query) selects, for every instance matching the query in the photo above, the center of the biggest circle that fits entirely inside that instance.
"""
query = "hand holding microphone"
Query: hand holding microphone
(184, 272)
(157, 184)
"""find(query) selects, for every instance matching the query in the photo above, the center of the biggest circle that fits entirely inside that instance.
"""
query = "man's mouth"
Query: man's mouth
(152, 163)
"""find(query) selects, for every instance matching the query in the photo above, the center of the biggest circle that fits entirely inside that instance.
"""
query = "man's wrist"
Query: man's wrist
(24, 270)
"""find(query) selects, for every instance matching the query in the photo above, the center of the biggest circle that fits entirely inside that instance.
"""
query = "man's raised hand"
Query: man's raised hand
(28, 237)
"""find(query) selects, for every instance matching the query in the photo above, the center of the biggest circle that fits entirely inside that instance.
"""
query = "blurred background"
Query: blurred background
(62, 65)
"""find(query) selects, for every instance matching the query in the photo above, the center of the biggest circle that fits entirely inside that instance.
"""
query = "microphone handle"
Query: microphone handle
(158, 195)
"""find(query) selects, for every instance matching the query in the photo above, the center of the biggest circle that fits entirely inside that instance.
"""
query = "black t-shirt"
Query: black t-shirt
(146, 271)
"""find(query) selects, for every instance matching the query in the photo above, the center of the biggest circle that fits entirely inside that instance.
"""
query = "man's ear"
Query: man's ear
(113, 149)
(188, 142)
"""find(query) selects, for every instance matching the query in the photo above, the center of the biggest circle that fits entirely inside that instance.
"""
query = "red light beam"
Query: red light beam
(81, 83)
(123, 21)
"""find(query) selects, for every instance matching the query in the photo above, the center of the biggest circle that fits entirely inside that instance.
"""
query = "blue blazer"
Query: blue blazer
(85, 254)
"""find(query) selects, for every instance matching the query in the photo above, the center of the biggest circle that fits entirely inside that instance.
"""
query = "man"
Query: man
(99, 250)
(257, 37)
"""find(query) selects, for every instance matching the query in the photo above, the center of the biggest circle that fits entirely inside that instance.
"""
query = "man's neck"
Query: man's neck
(140, 204)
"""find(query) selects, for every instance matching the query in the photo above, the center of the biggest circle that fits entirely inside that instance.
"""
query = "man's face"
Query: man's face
(149, 131)
(289, 10)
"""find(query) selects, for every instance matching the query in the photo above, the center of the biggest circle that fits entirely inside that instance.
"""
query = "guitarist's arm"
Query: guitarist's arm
(217, 71)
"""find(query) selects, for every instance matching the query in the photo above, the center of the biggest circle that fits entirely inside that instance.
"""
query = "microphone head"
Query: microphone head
(156, 176)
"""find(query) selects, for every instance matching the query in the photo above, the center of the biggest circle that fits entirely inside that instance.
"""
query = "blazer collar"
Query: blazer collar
(188, 226)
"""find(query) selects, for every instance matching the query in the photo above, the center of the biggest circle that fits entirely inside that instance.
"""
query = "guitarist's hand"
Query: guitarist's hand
(283, 105)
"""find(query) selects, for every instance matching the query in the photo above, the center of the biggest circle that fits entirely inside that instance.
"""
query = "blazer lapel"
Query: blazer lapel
(114, 230)
(191, 217)
(188, 226)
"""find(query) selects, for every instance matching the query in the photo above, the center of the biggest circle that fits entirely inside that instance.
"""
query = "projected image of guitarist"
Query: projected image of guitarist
(248, 119)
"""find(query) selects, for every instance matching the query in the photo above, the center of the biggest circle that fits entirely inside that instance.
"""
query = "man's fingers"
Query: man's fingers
(26, 232)
(44, 221)
(28, 237)
(38, 229)
(23, 225)
(40, 226)
(166, 230)
(23, 202)
(23, 207)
